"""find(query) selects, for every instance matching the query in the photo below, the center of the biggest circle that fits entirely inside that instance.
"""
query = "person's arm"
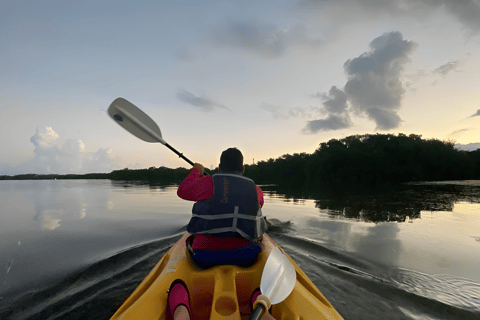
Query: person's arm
(261, 201)
(196, 186)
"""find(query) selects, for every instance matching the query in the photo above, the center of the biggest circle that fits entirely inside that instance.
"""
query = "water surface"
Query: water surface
(74, 249)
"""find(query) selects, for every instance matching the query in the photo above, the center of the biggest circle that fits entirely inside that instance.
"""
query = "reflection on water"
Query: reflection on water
(399, 204)
(77, 249)
(140, 184)
(61, 200)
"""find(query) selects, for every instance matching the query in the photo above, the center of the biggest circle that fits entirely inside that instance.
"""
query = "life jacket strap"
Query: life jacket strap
(235, 215)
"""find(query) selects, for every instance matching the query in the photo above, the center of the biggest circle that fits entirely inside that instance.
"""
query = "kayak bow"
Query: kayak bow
(221, 292)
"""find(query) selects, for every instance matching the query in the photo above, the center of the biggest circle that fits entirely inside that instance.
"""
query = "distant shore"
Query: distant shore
(361, 160)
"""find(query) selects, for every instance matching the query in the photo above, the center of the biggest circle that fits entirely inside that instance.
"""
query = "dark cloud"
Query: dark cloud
(265, 40)
(465, 11)
(203, 103)
(336, 108)
(447, 67)
(332, 122)
(374, 87)
(476, 114)
(336, 101)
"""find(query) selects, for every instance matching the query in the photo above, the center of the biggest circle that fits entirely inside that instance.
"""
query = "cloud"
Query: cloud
(303, 112)
(476, 114)
(203, 103)
(458, 132)
(70, 157)
(336, 101)
(465, 11)
(262, 39)
(275, 111)
(332, 122)
(374, 87)
(446, 68)
(468, 147)
(295, 112)
(336, 108)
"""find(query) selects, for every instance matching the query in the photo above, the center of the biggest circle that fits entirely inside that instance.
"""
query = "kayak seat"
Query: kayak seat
(243, 257)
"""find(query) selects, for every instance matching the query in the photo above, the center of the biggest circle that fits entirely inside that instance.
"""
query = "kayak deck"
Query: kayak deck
(220, 292)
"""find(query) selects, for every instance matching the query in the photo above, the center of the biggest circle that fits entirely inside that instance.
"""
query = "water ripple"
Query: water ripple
(93, 293)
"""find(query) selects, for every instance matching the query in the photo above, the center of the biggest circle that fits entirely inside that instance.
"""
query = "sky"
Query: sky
(267, 77)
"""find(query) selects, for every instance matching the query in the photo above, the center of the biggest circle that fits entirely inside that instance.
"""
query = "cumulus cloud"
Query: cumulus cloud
(374, 87)
(53, 157)
(335, 102)
(476, 114)
(262, 39)
(336, 108)
(446, 68)
(202, 103)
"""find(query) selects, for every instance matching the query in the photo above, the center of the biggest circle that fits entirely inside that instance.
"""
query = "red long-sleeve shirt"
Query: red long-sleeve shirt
(197, 188)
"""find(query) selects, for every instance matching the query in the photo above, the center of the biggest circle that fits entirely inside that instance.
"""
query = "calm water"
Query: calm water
(76, 249)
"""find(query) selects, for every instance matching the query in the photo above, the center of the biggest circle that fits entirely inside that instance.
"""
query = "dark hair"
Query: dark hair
(231, 160)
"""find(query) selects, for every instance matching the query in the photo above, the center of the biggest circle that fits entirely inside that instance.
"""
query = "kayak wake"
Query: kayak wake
(91, 293)
(357, 289)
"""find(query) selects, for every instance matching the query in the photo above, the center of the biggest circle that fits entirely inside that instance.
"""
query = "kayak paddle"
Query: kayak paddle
(278, 281)
(138, 123)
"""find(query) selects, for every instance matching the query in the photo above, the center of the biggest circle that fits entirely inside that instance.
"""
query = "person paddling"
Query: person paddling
(227, 224)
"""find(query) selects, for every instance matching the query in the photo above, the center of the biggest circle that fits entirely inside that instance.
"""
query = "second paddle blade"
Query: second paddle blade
(278, 278)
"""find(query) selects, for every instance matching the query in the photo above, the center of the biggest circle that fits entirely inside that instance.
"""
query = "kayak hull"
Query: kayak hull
(220, 292)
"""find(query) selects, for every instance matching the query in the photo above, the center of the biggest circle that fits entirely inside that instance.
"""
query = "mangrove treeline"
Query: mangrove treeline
(152, 175)
(370, 160)
(362, 160)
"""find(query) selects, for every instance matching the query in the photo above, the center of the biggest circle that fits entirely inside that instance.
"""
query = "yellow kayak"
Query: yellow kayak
(221, 292)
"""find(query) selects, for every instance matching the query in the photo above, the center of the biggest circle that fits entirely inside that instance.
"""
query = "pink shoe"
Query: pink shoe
(255, 294)
(177, 295)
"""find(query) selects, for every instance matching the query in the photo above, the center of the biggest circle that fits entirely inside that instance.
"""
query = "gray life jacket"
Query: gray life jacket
(233, 209)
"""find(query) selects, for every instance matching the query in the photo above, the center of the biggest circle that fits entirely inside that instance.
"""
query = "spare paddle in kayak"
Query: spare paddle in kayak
(278, 281)
(138, 123)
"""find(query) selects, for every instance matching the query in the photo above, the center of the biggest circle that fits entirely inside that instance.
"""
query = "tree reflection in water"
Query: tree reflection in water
(395, 204)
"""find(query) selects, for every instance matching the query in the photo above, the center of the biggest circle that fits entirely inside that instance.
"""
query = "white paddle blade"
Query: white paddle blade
(278, 278)
(135, 121)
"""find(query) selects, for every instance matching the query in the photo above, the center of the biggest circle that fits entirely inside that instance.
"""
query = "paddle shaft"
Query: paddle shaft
(179, 154)
(257, 313)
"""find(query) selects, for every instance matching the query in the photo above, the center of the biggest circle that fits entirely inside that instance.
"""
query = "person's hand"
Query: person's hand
(200, 168)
